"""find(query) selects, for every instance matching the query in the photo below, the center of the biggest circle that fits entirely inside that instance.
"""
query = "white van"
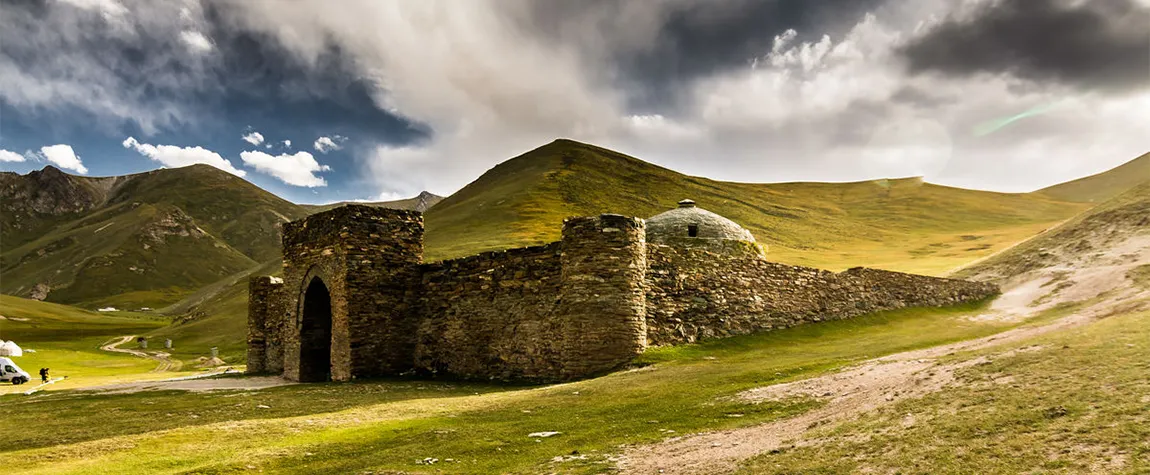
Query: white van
(10, 372)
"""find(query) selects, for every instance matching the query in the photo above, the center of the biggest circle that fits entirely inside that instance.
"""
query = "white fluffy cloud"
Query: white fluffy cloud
(327, 144)
(64, 157)
(10, 156)
(174, 156)
(196, 41)
(254, 138)
(298, 169)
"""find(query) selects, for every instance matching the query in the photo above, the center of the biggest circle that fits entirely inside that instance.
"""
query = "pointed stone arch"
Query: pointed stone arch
(315, 332)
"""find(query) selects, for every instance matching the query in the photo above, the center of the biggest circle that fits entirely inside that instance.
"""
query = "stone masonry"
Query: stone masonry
(357, 301)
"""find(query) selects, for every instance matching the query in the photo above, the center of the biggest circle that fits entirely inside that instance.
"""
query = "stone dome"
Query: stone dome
(691, 222)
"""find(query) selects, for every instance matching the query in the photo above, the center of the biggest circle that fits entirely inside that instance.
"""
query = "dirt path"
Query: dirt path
(166, 363)
(849, 393)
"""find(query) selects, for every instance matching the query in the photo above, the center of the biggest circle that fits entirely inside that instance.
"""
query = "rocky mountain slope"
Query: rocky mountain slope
(142, 240)
(147, 240)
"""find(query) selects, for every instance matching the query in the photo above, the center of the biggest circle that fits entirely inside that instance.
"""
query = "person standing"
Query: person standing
(43, 375)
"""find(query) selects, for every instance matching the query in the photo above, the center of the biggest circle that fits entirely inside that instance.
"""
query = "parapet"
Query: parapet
(350, 220)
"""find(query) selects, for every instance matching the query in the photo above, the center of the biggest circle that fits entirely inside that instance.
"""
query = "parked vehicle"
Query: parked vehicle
(9, 371)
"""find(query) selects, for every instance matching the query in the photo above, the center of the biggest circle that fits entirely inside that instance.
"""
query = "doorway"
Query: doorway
(315, 334)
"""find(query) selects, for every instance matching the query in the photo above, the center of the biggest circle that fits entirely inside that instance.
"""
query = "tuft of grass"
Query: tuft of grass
(1140, 276)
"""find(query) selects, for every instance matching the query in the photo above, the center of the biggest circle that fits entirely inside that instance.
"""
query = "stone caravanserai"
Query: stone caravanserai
(356, 299)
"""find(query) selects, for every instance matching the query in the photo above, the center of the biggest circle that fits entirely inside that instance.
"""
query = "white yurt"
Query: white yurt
(10, 348)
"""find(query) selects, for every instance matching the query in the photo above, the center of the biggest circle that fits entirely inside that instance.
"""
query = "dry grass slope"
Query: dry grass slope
(901, 224)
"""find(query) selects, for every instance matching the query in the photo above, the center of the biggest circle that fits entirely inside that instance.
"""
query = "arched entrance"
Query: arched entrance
(315, 333)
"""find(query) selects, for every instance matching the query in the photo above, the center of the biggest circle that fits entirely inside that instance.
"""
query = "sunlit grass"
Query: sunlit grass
(391, 424)
(1081, 404)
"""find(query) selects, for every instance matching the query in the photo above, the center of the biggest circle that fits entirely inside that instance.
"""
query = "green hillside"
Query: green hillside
(144, 240)
(901, 224)
(215, 316)
(1103, 186)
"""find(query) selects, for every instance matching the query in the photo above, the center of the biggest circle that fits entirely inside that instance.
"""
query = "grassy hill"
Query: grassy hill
(1103, 186)
(904, 224)
(144, 240)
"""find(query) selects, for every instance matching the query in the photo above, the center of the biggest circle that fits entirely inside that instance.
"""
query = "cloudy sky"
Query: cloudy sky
(365, 99)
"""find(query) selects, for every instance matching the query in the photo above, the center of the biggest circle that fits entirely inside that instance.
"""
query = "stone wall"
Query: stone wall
(571, 309)
(603, 304)
(695, 294)
(367, 258)
(561, 311)
(266, 316)
(383, 253)
(492, 316)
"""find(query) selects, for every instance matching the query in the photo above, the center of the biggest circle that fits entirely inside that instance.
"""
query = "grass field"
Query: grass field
(67, 340)
(1080, 404)
(389, 425)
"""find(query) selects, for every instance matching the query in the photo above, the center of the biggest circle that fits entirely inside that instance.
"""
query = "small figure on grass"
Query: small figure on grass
(43, 375)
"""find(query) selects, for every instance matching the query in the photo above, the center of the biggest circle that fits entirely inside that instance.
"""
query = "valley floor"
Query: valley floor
(1064, 390)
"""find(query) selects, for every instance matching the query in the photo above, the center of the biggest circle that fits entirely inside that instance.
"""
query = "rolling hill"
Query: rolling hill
(1103, 186)
(903, 224)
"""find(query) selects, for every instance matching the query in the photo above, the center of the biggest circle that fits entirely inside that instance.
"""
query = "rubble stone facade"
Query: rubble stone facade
(357, 301)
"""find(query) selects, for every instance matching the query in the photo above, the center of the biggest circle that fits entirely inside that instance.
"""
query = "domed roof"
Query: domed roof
(688, 221)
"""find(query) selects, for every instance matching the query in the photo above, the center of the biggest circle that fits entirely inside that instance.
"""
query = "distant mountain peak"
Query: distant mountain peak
(50, 170)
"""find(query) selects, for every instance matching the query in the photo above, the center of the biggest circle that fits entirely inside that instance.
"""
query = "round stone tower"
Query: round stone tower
(691, 226)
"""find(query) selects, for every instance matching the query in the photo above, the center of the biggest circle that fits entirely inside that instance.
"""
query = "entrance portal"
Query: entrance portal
(315, 334)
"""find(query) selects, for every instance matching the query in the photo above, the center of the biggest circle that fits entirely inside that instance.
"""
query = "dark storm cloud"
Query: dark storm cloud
(1098, 45)
(143, 73)
(262, 80)
(689, 39)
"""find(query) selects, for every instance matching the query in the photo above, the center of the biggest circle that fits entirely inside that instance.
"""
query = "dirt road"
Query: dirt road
(166, 363)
